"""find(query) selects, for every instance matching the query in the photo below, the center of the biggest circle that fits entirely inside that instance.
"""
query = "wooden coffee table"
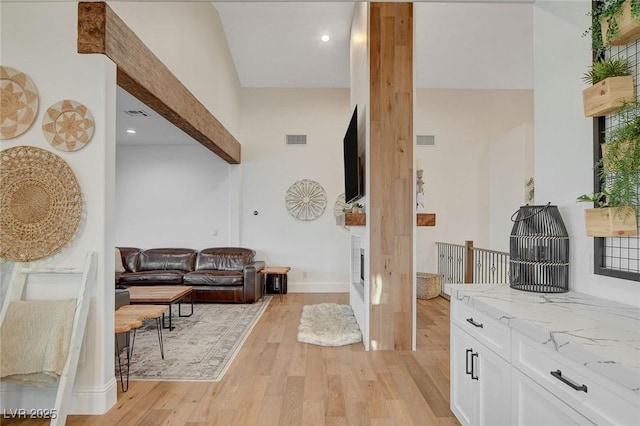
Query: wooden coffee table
(163, 295)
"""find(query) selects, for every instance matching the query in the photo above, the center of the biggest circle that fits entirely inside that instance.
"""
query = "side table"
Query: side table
(129, 318)
(280, 278)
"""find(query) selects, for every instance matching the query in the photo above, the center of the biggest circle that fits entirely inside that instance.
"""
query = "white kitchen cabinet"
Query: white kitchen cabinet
(519, 358)
(533, 405)
(480, 382)
(594, 397)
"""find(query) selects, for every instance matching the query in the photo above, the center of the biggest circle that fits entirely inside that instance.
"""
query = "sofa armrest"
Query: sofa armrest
(122, 298)
(253, 281)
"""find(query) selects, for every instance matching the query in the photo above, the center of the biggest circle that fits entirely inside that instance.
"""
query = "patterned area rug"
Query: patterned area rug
(328, 324)
(200, 348)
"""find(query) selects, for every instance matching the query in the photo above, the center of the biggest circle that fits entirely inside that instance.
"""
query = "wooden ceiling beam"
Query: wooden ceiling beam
(143, 75)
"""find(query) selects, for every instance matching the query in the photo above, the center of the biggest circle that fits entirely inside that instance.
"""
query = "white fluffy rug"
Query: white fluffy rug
(328, 324)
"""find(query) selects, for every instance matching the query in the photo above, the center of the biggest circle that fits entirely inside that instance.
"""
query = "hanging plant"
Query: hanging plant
(614, 23)
(620, 179)
(611, 86)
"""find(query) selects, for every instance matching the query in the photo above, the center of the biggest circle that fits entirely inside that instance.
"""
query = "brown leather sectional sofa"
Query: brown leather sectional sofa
(224, 274)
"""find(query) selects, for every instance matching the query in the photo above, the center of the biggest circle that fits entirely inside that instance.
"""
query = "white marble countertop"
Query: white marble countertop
(602, 335)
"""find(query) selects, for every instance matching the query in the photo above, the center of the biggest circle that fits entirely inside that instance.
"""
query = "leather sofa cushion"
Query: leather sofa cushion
(222, 278)
(167, 259)
(224, 259)
(129, 258)
(151, 277)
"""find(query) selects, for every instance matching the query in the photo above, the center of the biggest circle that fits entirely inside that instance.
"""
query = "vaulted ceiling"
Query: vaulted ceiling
(478, 45)
(459, 45)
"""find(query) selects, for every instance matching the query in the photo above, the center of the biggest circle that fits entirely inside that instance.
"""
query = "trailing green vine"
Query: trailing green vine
(620, 164)
(608, 11)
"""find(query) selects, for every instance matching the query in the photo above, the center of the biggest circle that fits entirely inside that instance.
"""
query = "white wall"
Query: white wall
(318, 249)
(510, 163)
(563, 137)
(40, 40)
(359, 95)
(171, 196)
(466, 124)
(175, 195)
(189, 39)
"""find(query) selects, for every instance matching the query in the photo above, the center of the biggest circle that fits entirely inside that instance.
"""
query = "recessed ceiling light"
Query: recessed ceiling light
(325, 38)
(131, 131)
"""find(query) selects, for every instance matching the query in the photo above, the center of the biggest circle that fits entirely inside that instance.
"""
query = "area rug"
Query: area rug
(328, 324)
(200, 348)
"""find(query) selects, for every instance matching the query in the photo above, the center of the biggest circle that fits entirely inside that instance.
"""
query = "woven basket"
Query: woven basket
(428, 285)
(40, 203)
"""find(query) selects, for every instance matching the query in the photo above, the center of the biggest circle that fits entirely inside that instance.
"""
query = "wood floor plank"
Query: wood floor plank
(275, 380)
(291, 412)
(313, 413)
(335, 397)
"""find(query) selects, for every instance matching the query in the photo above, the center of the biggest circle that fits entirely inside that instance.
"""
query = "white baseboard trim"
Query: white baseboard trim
(309, 287)
(84, 400)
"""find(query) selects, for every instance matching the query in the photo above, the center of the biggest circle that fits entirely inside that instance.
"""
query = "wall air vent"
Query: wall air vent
(137, 113)
(296, 139)
(425, 140)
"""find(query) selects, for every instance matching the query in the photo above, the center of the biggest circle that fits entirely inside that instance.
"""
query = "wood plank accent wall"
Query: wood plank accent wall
(142, 74)
(391, 215)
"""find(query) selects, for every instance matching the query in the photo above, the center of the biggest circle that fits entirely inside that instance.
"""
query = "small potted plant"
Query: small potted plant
(356, 208)
(614, 23)
(605, 220)
(612, 86)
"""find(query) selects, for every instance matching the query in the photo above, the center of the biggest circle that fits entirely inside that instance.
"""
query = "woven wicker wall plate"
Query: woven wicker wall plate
(306, 200)
(68, 125)
(19, 102)
(40, 203)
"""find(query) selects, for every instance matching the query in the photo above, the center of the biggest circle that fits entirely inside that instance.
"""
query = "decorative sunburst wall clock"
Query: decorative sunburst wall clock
(306, 200)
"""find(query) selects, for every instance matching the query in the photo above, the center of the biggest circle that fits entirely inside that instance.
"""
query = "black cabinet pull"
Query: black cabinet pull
(473, 366)
(466, 361)
(475, 324)
(558, 375)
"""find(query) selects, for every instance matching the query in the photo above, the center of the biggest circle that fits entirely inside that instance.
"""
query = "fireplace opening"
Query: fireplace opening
(362, 267)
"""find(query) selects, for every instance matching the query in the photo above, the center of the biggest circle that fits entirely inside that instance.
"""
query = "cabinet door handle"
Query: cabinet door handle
(466, 362)
(473, 366)
(558, 375)
(475, 324)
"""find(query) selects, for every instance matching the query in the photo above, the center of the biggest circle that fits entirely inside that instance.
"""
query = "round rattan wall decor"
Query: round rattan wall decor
(306, 200)
(68, 125)
(19, 102)
(40, 203)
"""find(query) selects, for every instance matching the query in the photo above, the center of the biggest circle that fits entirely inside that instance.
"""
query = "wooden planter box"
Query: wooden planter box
(611, 222)
(629, 29)
(608, 96)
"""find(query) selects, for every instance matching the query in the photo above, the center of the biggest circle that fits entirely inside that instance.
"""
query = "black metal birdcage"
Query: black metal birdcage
(539, 250)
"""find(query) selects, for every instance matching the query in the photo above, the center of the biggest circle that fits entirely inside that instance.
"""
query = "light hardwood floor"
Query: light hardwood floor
(275, 380)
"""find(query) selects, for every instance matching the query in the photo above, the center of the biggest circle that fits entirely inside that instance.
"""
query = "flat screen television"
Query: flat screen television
(353, 179)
